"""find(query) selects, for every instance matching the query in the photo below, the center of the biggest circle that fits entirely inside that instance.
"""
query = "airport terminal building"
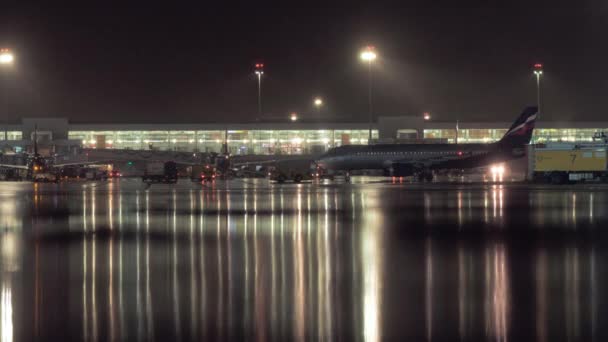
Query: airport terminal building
(65, 137)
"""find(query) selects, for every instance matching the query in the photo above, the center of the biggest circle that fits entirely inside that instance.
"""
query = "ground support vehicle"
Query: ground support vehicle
(160, 172)
(560, 163)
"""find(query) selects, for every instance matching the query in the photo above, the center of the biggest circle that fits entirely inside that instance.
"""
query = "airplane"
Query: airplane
(39, 169)
(422, 160)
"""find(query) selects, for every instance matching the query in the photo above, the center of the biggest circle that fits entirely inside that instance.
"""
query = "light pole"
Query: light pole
(6, 59)
(318, 102)
(369, 55)
(538, 71)
(259, 71)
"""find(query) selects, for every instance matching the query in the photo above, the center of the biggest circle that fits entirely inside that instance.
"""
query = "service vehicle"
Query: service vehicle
(160, 172)
(296, 170)
(202, 173)
(559, 163)
(45, 177)
(93, 173)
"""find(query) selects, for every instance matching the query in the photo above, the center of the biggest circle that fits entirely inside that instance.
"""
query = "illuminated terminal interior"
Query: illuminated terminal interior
(293, 141)
(239, 141)
(11, 135)
(541, 135)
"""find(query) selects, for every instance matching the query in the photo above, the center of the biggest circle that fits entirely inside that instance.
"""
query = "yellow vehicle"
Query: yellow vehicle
(561, 163)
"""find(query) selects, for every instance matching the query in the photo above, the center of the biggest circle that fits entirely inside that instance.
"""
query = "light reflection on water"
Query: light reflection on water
(302, 262)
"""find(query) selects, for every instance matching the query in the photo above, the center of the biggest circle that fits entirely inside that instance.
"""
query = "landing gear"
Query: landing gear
(558, 178)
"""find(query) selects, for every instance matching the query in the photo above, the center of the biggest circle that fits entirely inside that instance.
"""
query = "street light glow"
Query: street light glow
(318, 102)
(427, 116)
(538, 71)
(294, 117)
(6, 57)
(259, 71)
(369, 54)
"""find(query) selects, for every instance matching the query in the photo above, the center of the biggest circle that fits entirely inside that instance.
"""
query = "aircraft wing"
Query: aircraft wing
(188, 163)
(250, 163)
(272, 162)
(20, 167)
(81, 163)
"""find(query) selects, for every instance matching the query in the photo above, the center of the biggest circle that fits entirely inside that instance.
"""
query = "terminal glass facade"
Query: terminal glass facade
(566, 134)
(541, 135)
(11, 135)
(465, 136)
(288, 141)
(239, 141)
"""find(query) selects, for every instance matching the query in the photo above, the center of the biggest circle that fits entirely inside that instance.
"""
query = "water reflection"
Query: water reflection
(300, 263)
(6, 305)
(541, 295)
(497, 292)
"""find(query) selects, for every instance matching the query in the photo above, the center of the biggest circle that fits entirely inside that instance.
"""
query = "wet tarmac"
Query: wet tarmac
(368, 261)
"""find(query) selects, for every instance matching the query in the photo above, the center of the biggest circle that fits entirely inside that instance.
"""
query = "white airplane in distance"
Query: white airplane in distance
(39, 169)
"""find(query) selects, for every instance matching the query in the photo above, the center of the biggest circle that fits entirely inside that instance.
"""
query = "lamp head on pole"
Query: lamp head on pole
(259, 69)
(369, 54)
(538, 69)
(6, 57)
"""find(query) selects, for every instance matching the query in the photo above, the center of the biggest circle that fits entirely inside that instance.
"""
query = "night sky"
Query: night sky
(194, 63)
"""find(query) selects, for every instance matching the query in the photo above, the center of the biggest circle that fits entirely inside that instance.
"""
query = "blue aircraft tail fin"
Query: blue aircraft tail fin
(521, 131)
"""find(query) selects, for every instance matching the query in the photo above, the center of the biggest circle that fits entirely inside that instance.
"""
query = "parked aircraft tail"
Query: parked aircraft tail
(520, 132)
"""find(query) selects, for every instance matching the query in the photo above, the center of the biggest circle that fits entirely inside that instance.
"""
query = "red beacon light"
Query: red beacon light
(259, 68)
(460, 153)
